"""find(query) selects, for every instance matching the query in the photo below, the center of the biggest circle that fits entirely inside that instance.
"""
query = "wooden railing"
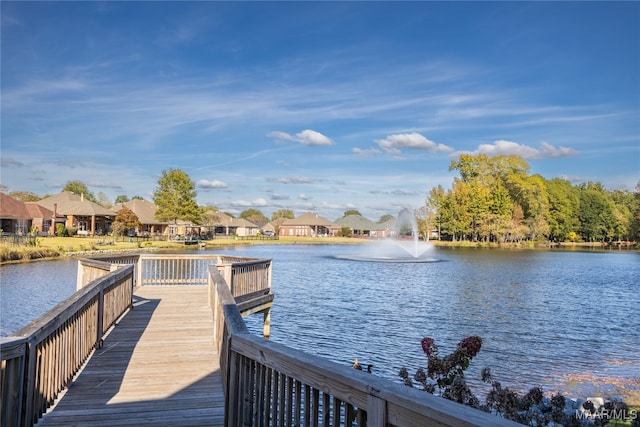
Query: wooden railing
(266, 383)
(247, 275)
(41, 359)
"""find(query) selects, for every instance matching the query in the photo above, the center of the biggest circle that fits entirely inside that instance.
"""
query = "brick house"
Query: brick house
(87, 218)
(309, 225)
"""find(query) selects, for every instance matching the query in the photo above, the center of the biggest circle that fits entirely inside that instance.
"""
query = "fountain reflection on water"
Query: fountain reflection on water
(397, 248)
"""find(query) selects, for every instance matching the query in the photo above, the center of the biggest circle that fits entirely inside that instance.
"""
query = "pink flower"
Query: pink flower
(428, 346)
(470, 346)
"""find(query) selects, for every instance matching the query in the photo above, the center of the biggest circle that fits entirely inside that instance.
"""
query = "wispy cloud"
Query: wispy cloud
(366, 152)
(293, 180)
(8, 162)
(502, 147)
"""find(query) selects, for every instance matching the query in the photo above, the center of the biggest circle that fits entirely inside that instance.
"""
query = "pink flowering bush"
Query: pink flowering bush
(447, 373)
(445, 376)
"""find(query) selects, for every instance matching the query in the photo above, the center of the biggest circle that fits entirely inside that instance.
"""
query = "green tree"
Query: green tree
(345, 231)
(385, 218)
(103, 200)
(122, 198)
(255, 216)
(25, 196)
(282, 213)
(564, 203)
(80, 188)
(175, 198)
(352, 212)
(595, 213)
(435, 205)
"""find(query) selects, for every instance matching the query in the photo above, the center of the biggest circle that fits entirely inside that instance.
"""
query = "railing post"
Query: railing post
(266, 324)
(30, 378)
(80, 276)
(14, 352)
(376, 411)
(100, 319)
(138, 272)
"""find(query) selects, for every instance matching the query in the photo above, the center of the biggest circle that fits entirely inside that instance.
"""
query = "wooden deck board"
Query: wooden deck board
(158, 366)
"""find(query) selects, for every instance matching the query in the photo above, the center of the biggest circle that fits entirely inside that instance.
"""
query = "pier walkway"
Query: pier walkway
(158, 367)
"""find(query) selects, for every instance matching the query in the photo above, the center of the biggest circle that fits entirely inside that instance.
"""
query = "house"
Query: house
(308, 224)
(43, 220)
(359, 225)
(146, 213)
(14, 216)
(385, 229)
(18, 217)
(220, 223)
(86, 217)
(272, 228)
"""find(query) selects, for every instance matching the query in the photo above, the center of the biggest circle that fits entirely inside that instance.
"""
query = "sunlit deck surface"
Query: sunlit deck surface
(158, 366)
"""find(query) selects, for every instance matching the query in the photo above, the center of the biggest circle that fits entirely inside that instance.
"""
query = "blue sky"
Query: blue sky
(317, 107)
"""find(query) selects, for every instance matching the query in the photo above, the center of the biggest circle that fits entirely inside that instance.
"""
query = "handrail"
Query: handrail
(267, 383)
(41, 359)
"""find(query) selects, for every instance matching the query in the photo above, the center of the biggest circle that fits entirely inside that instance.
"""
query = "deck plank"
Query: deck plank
(158, 366)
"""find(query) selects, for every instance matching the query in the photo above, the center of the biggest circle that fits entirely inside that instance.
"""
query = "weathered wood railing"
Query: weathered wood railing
(246, 275)
(269, 384)
(41, 359)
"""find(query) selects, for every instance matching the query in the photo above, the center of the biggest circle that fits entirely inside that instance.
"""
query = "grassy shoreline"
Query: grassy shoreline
(48, 248)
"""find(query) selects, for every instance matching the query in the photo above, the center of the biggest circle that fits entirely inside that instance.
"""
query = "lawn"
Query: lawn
(51, 247)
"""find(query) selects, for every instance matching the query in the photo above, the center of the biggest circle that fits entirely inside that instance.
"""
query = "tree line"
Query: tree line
(496, 199)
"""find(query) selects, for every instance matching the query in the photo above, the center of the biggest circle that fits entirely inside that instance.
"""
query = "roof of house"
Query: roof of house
(11, 208)
(144, 210)
(357, 222)
(389, 224)
(273, 225)
(68, 203)
(224, 220)
(38, 211)
(310, 219)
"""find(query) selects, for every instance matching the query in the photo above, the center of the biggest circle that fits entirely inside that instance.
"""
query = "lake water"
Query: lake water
(563, 320)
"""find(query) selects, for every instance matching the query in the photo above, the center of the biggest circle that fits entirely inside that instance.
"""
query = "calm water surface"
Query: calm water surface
(561, 320)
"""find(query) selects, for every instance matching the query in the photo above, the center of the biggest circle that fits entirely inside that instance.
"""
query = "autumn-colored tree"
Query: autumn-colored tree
(127, 219)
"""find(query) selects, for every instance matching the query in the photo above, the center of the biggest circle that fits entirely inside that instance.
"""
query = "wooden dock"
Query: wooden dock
(158, 366)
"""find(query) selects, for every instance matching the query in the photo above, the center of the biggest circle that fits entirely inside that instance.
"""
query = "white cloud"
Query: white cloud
(203, 183)
(546, 150)
(306, 137)
(249, 203)
(393, 143)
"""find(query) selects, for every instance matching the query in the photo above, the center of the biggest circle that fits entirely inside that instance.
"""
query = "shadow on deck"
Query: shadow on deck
(158, 366)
